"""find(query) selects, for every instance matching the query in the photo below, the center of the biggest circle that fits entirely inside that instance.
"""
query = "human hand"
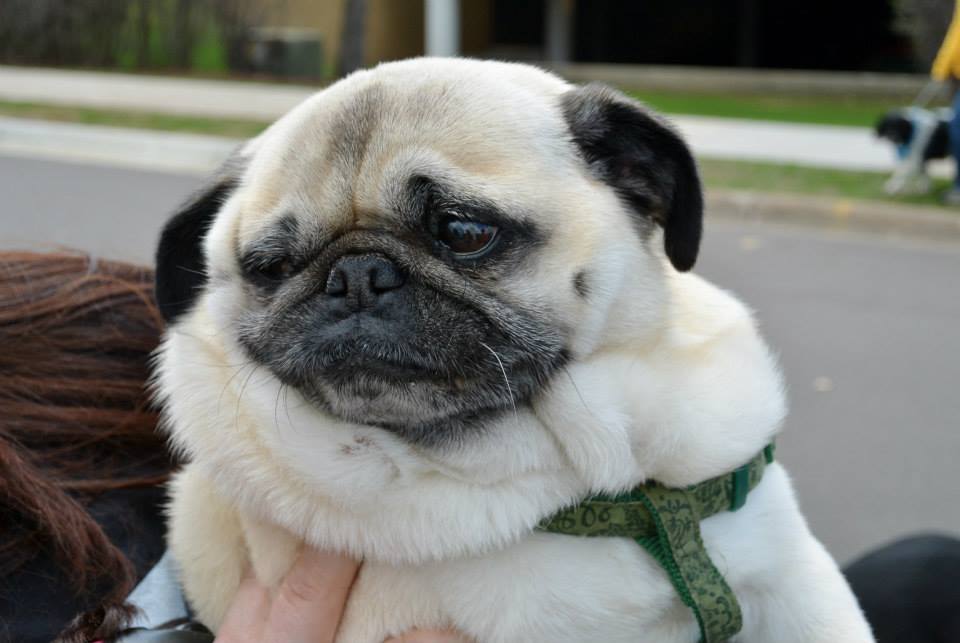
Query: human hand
(306, 608)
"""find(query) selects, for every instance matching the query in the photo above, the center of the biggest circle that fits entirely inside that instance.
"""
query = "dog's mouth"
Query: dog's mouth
(429, 369)
(386, 370)
(393, 362)
(412, 393)
(420, 404)
(390, 371)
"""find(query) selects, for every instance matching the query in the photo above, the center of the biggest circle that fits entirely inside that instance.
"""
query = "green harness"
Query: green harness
(666, 522)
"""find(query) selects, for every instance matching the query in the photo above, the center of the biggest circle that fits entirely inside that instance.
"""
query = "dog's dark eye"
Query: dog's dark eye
(465, 237)
(275, 270)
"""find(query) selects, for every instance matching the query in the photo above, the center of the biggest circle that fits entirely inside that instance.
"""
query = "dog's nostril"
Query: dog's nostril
(385, 277)
(336, 283)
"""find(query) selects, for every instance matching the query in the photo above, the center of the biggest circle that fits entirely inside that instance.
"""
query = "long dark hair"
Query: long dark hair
(76, 336)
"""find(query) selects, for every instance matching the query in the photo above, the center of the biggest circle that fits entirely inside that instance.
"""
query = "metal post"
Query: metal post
(557, 30)
(442, 27)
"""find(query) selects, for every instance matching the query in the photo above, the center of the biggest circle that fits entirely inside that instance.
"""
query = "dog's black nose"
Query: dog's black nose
(361, 279)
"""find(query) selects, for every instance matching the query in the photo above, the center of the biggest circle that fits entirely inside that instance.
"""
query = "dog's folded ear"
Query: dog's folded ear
(181, 267)
(645, 160)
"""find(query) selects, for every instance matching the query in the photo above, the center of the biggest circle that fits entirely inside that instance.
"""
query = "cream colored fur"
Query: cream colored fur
(669, 381)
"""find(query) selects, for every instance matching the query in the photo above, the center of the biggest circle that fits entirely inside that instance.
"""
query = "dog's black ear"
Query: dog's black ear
(896, 128)
(645, 160)
(882, 127)
(181, 267)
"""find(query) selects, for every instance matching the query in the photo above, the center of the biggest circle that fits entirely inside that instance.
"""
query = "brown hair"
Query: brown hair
(75, 419)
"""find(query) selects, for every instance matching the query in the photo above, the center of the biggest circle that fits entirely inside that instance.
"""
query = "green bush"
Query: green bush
(199, 35)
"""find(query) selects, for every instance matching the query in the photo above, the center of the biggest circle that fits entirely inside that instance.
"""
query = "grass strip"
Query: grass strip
(821, 110)
(827, 110)
(236, 128)
(772, 177)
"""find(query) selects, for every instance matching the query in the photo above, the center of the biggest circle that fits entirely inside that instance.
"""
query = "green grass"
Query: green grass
(95, 116)
(824, 110)
(770, 177)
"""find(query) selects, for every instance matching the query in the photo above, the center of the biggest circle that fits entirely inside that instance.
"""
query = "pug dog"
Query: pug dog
(434, 304)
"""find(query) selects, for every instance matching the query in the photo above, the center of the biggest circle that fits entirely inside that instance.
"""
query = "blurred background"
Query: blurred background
(321, 39)
(111, 111)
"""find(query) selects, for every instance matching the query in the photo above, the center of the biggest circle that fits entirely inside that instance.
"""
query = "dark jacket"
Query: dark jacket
(37, 601)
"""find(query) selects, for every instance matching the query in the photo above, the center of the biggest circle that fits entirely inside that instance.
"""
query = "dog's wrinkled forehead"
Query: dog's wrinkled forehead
(346, 155)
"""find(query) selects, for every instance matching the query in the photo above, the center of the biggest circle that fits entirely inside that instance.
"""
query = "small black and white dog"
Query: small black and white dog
(919, 135)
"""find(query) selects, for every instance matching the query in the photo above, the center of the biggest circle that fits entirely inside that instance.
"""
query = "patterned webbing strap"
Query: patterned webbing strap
(666, 522)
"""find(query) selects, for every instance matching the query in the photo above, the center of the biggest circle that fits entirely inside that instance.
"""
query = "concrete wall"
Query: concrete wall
(394, 28)
(476, 26)
(325, 16)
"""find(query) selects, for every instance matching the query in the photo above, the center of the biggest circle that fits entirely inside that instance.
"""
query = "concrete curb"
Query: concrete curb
(199, 154)
(838, 214)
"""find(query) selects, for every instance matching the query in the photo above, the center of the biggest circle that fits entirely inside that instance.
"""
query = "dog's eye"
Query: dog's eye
(274, 270)
(465, 237)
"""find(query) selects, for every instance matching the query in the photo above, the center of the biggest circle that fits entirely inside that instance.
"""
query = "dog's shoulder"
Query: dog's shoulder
(702, 314)
(721, 396)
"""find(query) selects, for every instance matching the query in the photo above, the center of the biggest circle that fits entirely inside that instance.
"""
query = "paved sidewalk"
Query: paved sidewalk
(850, 148)
(826, 146)
(158, 94)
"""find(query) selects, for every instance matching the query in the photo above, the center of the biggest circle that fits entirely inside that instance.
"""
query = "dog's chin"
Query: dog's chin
(423, 406)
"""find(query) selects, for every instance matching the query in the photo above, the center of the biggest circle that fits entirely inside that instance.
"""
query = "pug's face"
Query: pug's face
(423, 246)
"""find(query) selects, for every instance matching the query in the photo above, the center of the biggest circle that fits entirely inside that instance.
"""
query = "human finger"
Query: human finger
(247, 614)
(309, 602)
(430, 636)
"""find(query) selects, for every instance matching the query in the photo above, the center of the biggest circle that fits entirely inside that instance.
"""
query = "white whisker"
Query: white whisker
(506, 380)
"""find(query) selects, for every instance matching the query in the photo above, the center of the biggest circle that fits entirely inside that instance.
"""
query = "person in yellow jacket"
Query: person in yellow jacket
(946, 68)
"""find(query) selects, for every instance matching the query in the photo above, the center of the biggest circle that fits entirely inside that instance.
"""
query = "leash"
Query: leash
(927, 93)
(666, 523)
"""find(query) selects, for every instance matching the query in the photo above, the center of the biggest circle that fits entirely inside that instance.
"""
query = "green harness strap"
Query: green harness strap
(666, 522)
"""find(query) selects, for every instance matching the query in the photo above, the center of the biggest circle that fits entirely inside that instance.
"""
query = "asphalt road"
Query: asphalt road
(866, 327)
